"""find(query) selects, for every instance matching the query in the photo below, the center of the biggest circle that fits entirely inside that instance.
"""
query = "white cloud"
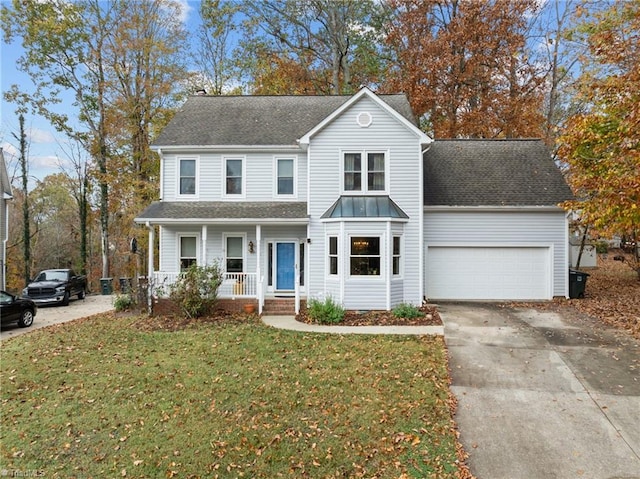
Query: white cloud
(44, 162)
(36, 135)
(9, 150)
(184, 9)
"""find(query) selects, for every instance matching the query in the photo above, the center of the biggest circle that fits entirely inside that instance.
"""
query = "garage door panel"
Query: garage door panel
(488, 273)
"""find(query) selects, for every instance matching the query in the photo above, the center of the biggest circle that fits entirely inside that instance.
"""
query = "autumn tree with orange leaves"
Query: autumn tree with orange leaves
(463, 66)
(601, 145)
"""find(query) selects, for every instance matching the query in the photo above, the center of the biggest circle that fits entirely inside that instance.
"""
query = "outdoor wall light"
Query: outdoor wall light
(250, 246)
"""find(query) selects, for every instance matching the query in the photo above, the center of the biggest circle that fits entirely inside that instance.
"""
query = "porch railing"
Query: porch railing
(234, 285)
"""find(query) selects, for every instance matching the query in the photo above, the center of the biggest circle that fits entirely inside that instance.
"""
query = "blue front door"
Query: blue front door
(285, 266)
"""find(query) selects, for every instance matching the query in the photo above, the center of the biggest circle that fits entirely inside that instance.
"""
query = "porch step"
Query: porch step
(278, 306)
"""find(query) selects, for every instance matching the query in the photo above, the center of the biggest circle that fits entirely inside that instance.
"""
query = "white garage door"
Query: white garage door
(485, 273)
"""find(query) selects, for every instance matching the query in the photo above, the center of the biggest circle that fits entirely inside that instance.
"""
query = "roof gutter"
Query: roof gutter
(493, 208)
(208, 148)
(216, 221)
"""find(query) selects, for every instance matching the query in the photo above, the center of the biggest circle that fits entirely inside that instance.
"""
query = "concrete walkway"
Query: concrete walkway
(542, 394)
(289, 322)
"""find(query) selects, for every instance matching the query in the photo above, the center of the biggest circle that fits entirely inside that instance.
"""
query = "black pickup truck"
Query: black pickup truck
(56, 286)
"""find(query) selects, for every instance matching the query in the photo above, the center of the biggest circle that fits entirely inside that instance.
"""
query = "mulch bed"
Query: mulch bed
(174, 322)
(430, 317)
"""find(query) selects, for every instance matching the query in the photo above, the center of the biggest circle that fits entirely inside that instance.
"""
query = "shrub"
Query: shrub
(405, 310)
(325, 312)
(602, 247)
(196, 291)
(123, 302)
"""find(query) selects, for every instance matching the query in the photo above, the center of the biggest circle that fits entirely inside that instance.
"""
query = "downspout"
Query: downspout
(150, 272)
(388, 266)
(259, 278)
(4, 244)
(161, 156)
(421, 259)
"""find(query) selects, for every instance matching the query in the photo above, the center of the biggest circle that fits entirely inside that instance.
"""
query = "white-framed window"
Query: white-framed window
(396, 255)
(234, 253)
(187, 176)
(188, 253)
(352, 171)
(365, 256)
(285, 174)
(364, 171)
(234, 175)
(333, 255)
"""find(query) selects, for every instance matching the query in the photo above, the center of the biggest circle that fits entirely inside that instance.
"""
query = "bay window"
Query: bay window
(365, 256)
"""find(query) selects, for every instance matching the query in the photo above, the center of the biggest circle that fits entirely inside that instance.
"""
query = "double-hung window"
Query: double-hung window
(364, 171)
(234, 261)
(365, 256)
(285, 168)
(188, 252)
(396, 256)
(187, 176)
(353, 172)
(234, 176)
(333, 255)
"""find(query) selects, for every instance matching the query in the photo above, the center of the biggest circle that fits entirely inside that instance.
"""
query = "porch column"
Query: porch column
(258, 268)
(296, 273)
(203, 253)
(150, 273)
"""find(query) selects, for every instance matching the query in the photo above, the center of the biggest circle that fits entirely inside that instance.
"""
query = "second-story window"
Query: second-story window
(366, 175)
(285, 167)
(352, 172)
(375, 171)
(187, 176)
(233, 172)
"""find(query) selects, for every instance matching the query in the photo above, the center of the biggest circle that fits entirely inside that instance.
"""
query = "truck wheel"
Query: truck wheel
(81, 294)
(65, 299)
(26, 319)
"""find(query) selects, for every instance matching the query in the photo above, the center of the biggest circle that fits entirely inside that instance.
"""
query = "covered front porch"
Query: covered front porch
(260, 258)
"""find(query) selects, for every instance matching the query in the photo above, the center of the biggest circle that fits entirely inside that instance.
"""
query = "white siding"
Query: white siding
(260, 175)
(404, 186)
(509, 228)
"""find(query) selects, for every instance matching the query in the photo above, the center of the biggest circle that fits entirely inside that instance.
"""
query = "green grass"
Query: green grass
(102, 398)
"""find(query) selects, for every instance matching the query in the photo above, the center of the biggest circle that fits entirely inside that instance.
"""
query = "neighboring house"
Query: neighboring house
(7, 194)
(589, 257)
(316, 196)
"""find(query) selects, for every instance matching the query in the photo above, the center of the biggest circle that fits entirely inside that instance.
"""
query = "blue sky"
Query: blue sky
(47, 147)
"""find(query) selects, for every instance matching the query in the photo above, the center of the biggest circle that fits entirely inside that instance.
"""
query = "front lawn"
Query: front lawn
(103, 398)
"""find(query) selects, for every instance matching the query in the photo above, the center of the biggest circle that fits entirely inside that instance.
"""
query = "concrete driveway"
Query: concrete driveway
(54, 314)
(543, 394)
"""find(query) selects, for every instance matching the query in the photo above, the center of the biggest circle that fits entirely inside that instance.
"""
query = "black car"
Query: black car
(17, 310)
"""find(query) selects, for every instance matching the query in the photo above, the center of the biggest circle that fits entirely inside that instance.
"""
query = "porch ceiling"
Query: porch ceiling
(209, 212)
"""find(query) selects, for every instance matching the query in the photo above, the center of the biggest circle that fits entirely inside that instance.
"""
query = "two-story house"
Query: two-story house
(342, 196)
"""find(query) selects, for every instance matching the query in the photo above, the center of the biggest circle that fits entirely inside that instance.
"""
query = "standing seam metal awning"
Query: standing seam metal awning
(364, 207)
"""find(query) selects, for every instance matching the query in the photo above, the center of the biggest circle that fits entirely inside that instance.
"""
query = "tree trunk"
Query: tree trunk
(26, 229)
(583, 242)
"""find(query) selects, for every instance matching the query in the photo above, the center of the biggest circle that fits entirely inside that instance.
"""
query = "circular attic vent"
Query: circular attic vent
(364, 119)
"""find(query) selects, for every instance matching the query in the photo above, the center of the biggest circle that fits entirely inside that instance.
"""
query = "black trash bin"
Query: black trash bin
(577, 283)
(106, 285)
(125, 285)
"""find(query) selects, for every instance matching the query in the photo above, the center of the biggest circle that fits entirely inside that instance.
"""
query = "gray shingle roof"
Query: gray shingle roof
(256, 120)
(218, 210)
(492, 173)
